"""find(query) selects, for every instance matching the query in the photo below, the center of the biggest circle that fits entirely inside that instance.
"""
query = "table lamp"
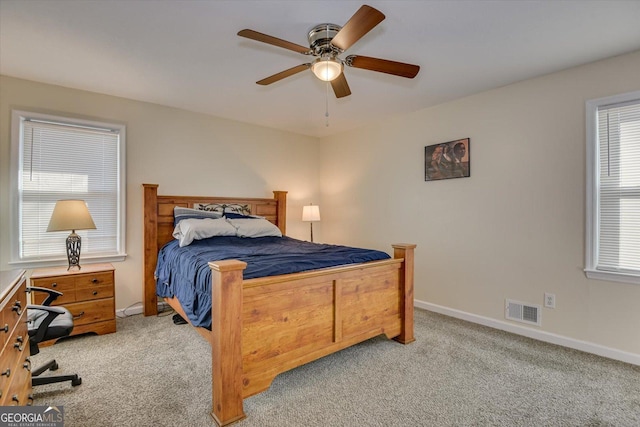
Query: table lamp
(310, 214)
(71, 215)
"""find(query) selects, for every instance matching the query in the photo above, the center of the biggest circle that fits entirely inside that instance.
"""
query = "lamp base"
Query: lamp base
(73, 250)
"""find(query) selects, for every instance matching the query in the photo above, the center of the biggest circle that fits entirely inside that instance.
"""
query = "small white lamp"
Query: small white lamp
(71, 215)
(310, 214)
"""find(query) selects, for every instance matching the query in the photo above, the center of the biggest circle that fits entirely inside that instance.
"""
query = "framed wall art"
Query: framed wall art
(447, 160)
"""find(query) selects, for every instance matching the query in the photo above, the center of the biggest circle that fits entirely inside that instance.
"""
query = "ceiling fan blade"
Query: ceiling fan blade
(382, 66)
(340, 86)
(283, 74)
(254, 35)
(363, 21)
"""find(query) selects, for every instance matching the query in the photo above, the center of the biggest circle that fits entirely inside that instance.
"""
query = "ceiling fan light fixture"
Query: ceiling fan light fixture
(327, 68)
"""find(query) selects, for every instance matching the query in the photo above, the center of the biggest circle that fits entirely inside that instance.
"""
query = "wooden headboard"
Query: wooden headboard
(158, 226)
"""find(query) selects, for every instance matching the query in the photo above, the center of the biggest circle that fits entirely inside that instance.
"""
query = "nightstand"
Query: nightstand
(88, 293)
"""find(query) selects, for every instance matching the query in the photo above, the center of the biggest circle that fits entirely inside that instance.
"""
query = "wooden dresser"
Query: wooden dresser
(15, 365)
(89, 294)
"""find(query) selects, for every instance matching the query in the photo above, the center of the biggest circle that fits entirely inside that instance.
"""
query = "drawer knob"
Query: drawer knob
(18, 346)
(54, 285)
(79, 315)
(95, 292)
(19, 338)
(7, 373)
(94, 280)
(5, 328)
(15, 398)
(17, 308)
(30, 398)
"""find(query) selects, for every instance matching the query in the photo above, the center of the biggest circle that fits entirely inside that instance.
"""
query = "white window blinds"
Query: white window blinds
(618, 139)
(68, 160)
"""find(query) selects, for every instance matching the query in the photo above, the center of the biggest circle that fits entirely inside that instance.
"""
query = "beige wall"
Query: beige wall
(183, 152)
(514, 229)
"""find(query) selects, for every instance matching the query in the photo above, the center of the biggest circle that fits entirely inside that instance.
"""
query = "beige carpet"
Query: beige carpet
(154, 373)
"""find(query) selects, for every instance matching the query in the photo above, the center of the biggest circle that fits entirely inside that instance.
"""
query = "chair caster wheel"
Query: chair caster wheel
(76, 382)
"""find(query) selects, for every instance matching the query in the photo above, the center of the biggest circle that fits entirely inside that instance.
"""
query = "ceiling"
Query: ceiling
(186, 54)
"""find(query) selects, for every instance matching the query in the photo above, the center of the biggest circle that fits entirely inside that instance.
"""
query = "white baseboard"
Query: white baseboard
(137, 309)
(549, 337)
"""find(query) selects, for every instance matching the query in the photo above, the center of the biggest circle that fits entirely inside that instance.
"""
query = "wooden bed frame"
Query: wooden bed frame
(265, 326)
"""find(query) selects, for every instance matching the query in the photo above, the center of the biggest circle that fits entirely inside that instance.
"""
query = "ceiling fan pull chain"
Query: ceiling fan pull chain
(326, 114)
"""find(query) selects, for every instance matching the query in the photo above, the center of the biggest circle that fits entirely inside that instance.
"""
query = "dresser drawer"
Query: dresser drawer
(10, 365)
(15, 367)
(15, 305)
(18, 392)
(91, 311)
(4, 331)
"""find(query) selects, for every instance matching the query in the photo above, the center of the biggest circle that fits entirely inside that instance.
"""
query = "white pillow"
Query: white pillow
(254, 227)
(192, 229)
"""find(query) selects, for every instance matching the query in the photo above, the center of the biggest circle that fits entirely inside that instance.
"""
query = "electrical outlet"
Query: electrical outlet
(549, 300)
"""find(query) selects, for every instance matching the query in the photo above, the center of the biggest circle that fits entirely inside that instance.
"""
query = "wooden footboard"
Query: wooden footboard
(263, 327)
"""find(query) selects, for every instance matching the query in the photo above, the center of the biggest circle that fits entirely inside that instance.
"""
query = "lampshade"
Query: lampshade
(71, 215)
(327, 68)
(311, 213)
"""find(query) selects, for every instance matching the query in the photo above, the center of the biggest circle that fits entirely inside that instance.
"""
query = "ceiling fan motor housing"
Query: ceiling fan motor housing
(320, 38)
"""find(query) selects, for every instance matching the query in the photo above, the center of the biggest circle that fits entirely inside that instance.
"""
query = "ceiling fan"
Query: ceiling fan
(326, 43)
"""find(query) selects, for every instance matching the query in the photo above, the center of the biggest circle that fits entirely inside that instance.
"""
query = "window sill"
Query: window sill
(63, 261)
(613, 276)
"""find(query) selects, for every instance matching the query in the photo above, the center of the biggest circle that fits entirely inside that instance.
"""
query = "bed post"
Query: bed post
(226, 341)
(281, 214)
(405, 250)
(150, 224)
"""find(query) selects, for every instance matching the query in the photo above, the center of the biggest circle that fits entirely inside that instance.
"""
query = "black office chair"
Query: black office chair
(48, 323)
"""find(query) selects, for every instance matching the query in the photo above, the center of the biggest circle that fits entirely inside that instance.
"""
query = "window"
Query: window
(613, 188)
(56, 158)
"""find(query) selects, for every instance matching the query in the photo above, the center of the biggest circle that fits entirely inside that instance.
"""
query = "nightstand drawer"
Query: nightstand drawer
(63, 284)
(60, 284)
(93, 280)
(68, 296)
(96, 292)
(92, 311)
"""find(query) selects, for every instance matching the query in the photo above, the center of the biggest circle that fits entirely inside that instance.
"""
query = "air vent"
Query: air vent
(522, 312)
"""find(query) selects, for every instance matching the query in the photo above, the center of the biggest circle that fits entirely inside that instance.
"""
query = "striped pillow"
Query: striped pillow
(184, 213)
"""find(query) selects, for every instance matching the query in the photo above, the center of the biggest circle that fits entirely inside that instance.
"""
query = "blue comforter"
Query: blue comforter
(185, 273)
